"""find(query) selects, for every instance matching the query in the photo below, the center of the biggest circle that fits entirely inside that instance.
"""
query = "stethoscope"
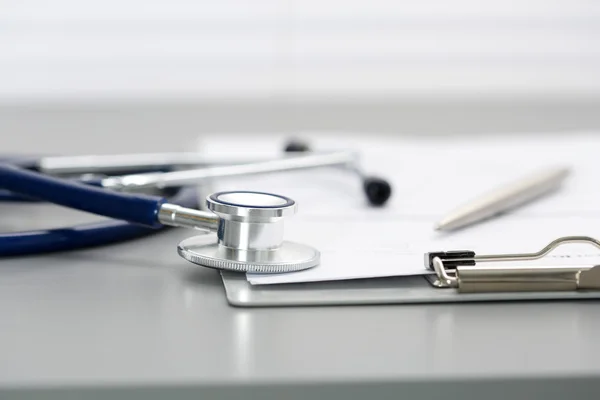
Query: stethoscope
(248, 225)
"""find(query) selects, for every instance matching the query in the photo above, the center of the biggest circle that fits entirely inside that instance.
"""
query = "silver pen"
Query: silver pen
(504, 198)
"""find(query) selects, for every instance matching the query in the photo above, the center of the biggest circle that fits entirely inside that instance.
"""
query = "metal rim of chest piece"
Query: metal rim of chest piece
(204, 250)
(249, 236)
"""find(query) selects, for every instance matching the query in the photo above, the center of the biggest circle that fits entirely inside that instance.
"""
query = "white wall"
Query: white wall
(124, 75)
(232, 49)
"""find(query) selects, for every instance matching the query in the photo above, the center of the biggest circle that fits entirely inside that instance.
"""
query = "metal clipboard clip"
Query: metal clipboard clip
(459, 270)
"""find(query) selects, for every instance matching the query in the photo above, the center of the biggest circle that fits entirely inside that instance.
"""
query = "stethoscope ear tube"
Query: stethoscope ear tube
(53, 240)
(136, 208)
(82, 236)
(138, 214)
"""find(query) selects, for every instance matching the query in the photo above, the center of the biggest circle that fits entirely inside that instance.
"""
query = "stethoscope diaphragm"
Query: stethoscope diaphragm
(249, 236)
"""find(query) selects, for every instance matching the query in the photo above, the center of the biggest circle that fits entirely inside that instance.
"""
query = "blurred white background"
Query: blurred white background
(134, 68)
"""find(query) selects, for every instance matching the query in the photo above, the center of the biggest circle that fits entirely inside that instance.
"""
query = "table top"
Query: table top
(135, 316)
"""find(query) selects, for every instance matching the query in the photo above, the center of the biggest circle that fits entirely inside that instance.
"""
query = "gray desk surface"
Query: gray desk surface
(135, 319)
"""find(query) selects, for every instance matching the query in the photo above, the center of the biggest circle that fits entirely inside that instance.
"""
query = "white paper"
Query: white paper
(429, 177)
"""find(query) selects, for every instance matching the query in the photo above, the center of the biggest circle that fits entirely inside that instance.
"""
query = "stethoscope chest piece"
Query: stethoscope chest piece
(249, 236)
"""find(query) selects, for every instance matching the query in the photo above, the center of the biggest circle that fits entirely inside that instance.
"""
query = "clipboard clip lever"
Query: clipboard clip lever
(459, 270)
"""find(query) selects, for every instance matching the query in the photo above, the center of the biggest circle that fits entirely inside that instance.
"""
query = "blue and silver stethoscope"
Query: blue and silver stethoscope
(249, 225)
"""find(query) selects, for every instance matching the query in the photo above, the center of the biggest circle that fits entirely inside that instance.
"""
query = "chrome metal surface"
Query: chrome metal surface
(445, 280)
(106, 164)
(250, 235)
(496, 278)
(249, 228)
(174, 215)
(251, 206)
(539, 254)
(589, 279)
(251, 199)
(250, 220)
(505, 198)
(435, 281)
(192, 176)
(206, 251)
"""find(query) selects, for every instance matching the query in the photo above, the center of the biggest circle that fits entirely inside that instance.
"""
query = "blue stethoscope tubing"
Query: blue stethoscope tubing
(135, 215)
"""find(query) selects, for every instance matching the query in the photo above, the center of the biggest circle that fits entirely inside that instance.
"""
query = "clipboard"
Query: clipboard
(457, 276)
(396, 290)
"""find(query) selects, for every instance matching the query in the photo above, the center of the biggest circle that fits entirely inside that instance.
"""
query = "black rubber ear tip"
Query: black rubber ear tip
(378, 190)
(296, 146)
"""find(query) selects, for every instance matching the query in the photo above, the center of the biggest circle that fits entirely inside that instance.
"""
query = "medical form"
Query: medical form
(429, 176)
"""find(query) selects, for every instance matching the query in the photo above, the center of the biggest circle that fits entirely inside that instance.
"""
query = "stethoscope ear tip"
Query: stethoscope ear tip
(378, 190)
(296, 146)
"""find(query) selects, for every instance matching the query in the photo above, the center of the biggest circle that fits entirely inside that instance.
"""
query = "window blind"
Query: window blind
(323, 48)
